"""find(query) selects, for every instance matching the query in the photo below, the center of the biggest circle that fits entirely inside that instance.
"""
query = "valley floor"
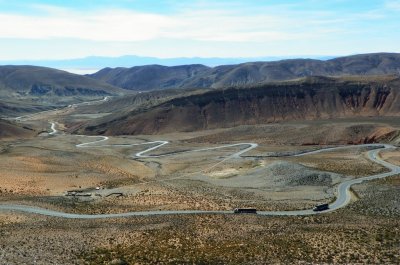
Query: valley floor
(42, 170)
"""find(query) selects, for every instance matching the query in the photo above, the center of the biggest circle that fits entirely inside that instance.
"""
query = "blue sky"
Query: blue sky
(55, 29)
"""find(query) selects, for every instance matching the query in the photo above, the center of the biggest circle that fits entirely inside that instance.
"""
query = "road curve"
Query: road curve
(158, 144)
(343, 195)
(53, 129)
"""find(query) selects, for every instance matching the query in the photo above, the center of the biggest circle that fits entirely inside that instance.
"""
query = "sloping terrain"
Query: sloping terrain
(16, 108)
(42, 81)
(12, 130)
(27, 89)
(138, 100)
(155, 77)
(307, 99)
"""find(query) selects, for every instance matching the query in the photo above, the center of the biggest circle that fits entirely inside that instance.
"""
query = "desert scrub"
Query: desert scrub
(256, 240)
(350, 167)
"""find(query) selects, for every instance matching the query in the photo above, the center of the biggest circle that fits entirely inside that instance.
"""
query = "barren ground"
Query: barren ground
(357, 234)
(40, 170)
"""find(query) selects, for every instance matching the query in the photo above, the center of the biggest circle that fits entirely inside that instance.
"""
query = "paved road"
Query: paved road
(158, 144)
(343, 190)
(88, 103)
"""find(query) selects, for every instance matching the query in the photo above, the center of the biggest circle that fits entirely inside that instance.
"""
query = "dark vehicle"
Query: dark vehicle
(245, 210)
(321, 207)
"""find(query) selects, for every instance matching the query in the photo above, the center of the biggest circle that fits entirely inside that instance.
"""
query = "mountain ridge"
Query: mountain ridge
(136, 78)
(99, 62)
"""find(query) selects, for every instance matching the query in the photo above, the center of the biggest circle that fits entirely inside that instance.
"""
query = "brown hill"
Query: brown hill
(26, 89)
(155, 77)
(149, 77)
(306, 99)
(10, 130)
(42, 81)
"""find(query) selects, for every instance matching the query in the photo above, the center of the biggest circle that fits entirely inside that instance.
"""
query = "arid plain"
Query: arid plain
(49, 170)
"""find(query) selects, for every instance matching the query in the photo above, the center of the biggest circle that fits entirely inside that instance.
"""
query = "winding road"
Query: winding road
(343, 195)
(53, 129)
(29, 116)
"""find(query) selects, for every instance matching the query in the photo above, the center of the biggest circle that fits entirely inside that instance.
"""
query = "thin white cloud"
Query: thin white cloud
(116, 25)
(127, 25)
(195, 29)
(393, 5)
(214, 25)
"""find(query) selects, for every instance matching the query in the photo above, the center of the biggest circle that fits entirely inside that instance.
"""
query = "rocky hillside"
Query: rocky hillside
(307, 99)
(154, 77)
(41, 81)
(27, 89)
(126, 103)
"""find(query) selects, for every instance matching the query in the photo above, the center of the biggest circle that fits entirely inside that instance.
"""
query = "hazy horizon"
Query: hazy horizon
(92, 64)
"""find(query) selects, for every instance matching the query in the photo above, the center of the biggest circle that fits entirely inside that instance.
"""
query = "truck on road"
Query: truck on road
(321, 207)
(245, 210)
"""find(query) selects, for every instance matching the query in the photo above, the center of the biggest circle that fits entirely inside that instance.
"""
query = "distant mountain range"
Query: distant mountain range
(43, 81)
(156, 77)
(94, 63)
